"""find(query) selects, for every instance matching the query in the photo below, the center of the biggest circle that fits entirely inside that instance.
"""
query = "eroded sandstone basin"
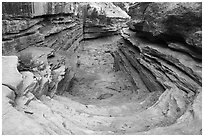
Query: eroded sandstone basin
(63, 75)
(102, 100)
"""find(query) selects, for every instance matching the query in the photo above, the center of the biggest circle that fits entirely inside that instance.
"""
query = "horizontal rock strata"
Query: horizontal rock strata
(101, 68)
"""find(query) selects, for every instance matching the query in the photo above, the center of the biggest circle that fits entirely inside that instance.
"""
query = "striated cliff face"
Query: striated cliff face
(40, 24)
(101, 68)
(33, 9)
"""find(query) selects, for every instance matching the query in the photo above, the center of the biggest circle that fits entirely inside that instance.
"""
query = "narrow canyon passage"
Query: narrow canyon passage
(106, 68)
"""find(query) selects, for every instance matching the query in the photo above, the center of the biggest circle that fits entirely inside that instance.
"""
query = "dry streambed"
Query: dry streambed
(107, 96)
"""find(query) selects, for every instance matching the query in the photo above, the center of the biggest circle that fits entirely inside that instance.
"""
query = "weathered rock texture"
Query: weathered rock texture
(32, 9)
(77, 68)
(162, 69)
(170, 20)
(102, 19)
(52, 25)
(159, 52)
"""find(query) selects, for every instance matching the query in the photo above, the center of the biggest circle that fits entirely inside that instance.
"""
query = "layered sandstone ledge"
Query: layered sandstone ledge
(102, 68)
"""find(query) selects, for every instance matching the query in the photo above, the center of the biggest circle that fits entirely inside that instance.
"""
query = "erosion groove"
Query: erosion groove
(101, 68)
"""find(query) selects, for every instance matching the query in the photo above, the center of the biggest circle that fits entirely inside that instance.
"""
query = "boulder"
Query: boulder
(37, 73)
(107, 9)
(10, 75)
(100, 19)
(42, 70)
(173, 19)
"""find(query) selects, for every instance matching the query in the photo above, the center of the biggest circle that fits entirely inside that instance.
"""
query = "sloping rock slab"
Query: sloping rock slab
(10, 75)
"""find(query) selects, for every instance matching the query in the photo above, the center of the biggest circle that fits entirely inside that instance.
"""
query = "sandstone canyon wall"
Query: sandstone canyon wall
(140, 62)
